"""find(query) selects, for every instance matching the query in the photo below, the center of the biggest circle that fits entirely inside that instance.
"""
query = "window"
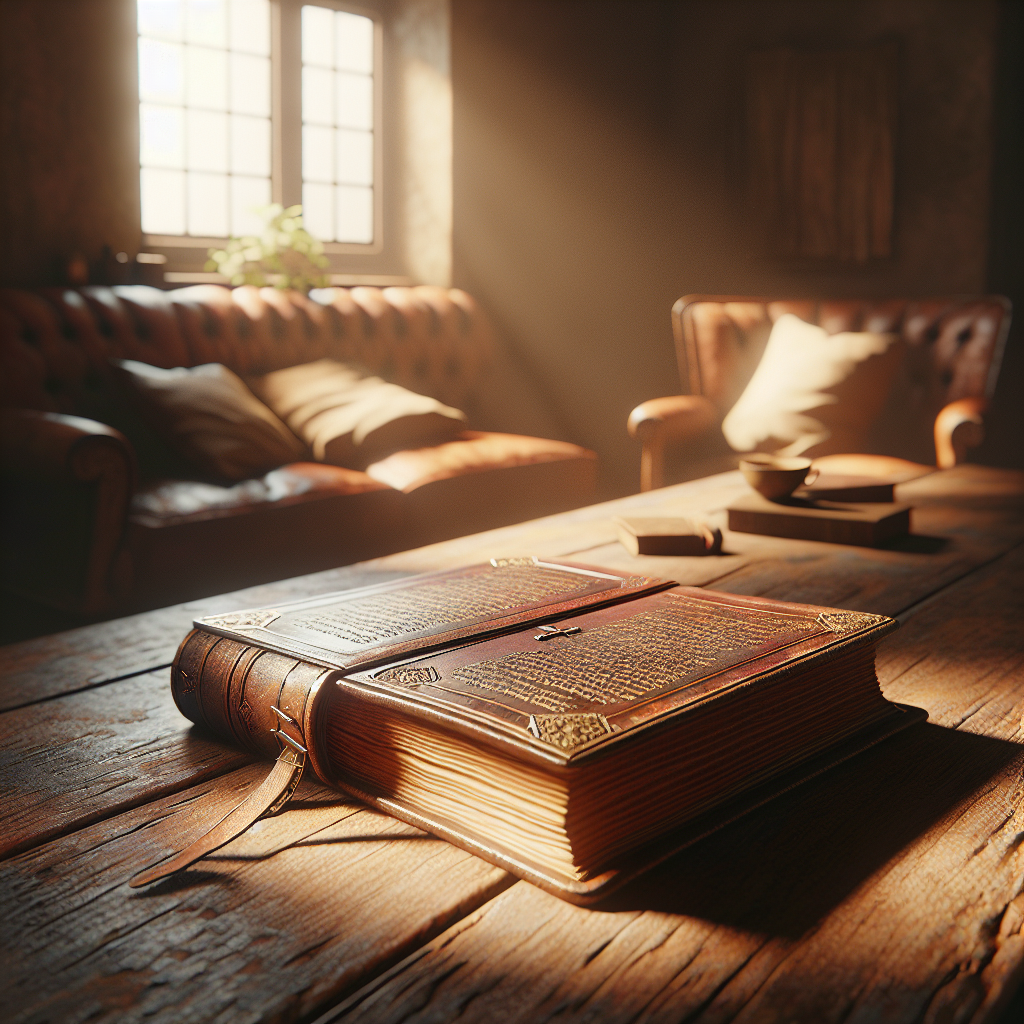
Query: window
(204, 115)
(337, 124)
(242, 102)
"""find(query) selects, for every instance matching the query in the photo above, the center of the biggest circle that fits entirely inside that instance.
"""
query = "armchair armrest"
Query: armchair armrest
(958, 427)
(675, 418)
(69, 482)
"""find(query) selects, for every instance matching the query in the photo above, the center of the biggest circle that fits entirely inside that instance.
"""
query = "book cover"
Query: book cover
(561, 720)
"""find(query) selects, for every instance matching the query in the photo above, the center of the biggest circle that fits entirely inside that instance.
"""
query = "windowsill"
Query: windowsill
(339, 280)
(186, 246)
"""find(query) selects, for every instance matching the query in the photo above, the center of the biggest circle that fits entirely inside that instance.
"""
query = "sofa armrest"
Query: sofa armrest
(659, 420)
(59, 470)
(959, 427)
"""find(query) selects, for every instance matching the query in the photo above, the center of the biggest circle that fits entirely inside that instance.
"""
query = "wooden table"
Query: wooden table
(888, 890)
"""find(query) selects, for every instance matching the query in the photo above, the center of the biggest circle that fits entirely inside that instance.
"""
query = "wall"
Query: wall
(598, 167)
(421, 36)
(69, 171)
(69, 165)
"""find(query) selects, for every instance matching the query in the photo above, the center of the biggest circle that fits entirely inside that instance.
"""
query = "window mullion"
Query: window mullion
(288, 100)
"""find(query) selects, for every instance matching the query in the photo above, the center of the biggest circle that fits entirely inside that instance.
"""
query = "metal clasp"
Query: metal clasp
(282, 735)
(550, 632)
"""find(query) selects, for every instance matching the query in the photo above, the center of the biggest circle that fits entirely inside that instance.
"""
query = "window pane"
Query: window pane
(198, 60)
(354, 157)
(250, 145)
(318, 210)
(208, 204)
(247, 195)
(160, 71)
(207, 141)
(161, 18)
(317, 96)
(163, 202)
(249, 24)
(162, 142)
(206, 23)
(318, 36)
(353, 43)
(338, 94)
(354, 101)
(317, 153)
(250, 85)
(353, 214)
(206, 80)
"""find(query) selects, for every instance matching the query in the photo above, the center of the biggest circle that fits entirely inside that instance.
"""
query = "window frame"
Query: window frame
(356, 262)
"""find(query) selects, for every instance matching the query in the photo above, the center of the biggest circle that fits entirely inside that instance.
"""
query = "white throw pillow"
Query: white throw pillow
(351, 419)
(801, 367)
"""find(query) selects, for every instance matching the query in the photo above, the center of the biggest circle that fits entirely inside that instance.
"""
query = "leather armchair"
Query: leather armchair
(935, 414)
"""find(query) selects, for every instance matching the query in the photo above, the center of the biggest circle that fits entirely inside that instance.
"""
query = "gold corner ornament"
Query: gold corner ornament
(513, 563)
(255, 619)
(842, 623)
(569, 732)
(408, 675)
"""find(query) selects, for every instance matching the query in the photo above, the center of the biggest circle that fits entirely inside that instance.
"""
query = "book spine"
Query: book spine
(230, 690)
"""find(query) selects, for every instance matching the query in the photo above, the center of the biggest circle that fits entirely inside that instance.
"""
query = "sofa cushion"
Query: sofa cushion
(175, 501)
(349, 418)
(211, 418)
(485, 480)
(813, 392)
(187, 539)
(471, 452)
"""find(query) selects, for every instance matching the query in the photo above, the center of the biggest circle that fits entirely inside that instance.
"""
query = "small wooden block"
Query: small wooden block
(843, 487)
(667, 535)
(866, 525)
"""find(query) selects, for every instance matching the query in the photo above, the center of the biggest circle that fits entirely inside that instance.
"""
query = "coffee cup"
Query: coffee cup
(776, 476)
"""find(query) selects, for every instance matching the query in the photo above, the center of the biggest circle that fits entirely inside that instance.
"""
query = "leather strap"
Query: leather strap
(268, 798)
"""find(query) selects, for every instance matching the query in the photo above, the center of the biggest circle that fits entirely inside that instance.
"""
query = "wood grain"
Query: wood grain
(49, 666)
(972, 505)
(297, 912)
(46, 667)
(947, 543)
(888, 890)
(86, 756)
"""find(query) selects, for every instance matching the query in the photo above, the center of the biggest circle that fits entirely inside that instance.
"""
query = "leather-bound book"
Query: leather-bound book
(570, 724)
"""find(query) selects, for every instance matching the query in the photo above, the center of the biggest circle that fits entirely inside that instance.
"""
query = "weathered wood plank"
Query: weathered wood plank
(571, 533)
(985, 524)
(950, 538)
(888, 890)
(98, 750)
(87, 756)
(294, 914)
(91, 738)
(49, 666)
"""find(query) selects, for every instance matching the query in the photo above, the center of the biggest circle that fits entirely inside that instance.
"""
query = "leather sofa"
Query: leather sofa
(932, 411)
(92, 529)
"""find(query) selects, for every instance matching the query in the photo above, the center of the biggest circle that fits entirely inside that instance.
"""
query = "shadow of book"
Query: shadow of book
(917, 544)
(784, 866)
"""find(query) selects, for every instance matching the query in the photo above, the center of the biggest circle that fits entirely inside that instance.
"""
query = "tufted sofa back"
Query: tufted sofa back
(953, 347)
(56, 343)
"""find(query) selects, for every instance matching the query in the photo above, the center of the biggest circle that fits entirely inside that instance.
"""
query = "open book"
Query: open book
(568, 723)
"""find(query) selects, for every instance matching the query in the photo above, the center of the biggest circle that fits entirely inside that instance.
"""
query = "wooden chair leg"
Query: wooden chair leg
(652, 462)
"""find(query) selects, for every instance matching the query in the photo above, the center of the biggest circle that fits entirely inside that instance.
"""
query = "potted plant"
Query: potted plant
(285, 254)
